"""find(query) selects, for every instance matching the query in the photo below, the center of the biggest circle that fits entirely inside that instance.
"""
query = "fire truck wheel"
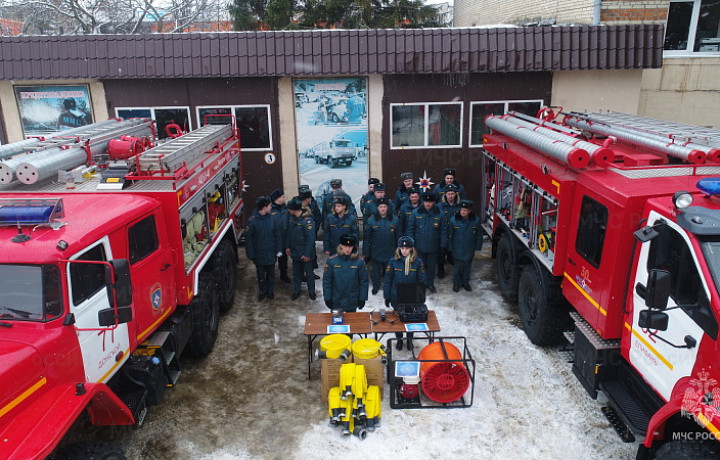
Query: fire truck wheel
(508, 271)
(205, 311)
(687, 449)
(225, 273)
(95, 450)
(543, 319)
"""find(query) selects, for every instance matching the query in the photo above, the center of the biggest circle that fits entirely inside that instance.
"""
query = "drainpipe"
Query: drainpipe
(597, 9)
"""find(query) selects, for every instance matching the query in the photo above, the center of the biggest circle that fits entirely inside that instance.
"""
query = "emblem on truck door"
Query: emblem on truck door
(156, 296)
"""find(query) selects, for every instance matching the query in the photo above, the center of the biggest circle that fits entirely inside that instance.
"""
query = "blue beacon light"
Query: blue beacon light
(711, 185)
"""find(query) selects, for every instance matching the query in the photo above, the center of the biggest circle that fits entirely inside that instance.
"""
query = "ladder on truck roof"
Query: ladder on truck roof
(185, 150)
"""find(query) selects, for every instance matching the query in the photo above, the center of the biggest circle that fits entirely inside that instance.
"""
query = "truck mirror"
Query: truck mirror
(652, 319)
(658, 289)
(107, 316)
(122, 282)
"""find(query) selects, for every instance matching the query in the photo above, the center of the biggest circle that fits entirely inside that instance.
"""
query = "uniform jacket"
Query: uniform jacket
(402, 196)
(316, 214)
(448, 209)
(301, 236)
(328, 201)
(262, 239)
(428, 229)
(441, 188)
(365, 199)
(335, 227)
(280, 215)
(345, 281)
(404, 214)
(465, 236)
(381, 236)
(395, 273)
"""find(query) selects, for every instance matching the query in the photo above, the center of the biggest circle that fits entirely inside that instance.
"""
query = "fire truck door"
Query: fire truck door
(662, 357)
(152, 270)
(103, 348)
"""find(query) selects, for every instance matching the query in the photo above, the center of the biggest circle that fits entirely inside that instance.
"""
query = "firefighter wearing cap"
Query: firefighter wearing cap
(407, 209)
(328, 200)
(309, 201)
(345, 282)
(427, 229)
(403, 192)
(300, 242)
(449, 178)
(371, 206)
(404, 267)
(339, 223)
(380, 240)
(449, 205)
(280, 214)
(465, 236)
(262, 243)
(369, 195)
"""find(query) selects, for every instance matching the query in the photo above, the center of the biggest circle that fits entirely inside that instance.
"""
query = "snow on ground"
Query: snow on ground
(251, 398)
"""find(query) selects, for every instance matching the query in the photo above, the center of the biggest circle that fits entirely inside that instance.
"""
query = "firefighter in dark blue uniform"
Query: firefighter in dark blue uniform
(404, 267)
(369, 195)
(309, 201)
(280, 214)
(300, 248)
(328, 200)
(465, 236)
(262, 243)
(406, 209)
(403, 192)
(449, 178)
(345, 281)
(380, 240)
(371, 206)
(339, 223)
(449, 205)
(426, 228)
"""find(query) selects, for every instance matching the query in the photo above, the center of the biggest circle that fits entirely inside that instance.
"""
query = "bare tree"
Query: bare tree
(84, 17)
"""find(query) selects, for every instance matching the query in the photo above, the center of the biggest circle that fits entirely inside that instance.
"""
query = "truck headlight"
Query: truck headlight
(682, 199)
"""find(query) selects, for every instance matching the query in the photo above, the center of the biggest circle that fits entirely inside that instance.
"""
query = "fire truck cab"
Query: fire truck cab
(611, 238)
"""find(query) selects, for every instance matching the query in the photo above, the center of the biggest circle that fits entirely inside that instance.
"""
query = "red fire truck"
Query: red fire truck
(615, 219)
(115, 260)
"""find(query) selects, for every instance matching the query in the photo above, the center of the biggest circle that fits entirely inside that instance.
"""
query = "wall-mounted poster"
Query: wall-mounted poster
(48, 109)
(332, 134)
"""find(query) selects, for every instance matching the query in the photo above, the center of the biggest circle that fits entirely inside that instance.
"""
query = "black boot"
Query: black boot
(399, 344)
(441, 272)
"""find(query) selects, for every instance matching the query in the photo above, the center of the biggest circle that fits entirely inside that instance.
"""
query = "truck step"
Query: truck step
(136, 403)
(620, 427)
(569, 336)
(625, 406)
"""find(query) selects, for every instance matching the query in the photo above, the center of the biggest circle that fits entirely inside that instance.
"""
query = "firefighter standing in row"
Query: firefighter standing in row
(345, 281)
(427, 229)
(404, 267)
(280, 214)
(403, 192)
(308, 201)
(371, 206)
(449, 205)
(449, 178)
(340, 222)
(465, 236)
(328, 200)
(369, 195)
(380, 240)
(300, 242)
(262, 243)
(407, 209)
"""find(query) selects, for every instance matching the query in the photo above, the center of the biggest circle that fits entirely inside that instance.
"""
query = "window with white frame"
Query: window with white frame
(252, 120)
(480, 110)
(693, 26)
(426, 125)
(163, 117)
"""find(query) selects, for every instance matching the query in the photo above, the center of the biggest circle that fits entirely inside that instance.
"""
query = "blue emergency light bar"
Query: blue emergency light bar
(710, 185)
(30, 211)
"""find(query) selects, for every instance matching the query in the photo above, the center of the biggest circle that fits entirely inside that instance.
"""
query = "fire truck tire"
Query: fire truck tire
(543, 318)
(689, 449)
(95, 450)
(508, 271)
(225, 273)
(205, 311)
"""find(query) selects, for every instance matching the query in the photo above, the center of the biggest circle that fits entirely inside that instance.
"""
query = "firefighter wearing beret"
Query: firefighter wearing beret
(345, 281)
(465, 236)
(380, 240)
(300, 248)
(427, 229)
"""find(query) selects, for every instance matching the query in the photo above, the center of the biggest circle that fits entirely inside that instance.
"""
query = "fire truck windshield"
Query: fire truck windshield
(30, 292)
(711, 250)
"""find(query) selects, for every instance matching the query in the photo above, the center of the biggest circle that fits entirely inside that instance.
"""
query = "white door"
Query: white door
(104, 349)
